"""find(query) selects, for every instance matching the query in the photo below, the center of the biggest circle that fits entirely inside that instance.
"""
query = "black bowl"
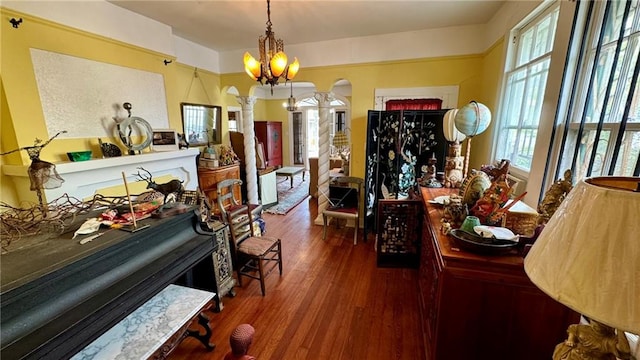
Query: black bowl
(486, 246)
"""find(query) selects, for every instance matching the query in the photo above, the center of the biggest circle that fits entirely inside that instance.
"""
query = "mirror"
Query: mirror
(201, 124)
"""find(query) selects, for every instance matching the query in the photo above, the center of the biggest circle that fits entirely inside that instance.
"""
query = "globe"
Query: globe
(473, 118)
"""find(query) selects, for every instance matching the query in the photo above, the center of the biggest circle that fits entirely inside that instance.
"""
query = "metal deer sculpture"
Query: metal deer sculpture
(171, 187)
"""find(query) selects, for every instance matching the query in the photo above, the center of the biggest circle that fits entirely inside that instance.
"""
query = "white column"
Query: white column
(247, 103)
(324, 102)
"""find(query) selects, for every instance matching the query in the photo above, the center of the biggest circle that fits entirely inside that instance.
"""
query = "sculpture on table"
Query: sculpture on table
(489, 208)
(554, 196)
(125, 128)
(497, 170)
(454, 163)
(172, 187)
(42, 174)
(428, 178)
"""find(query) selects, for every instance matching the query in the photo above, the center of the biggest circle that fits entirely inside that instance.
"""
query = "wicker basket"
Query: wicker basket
(521, 223)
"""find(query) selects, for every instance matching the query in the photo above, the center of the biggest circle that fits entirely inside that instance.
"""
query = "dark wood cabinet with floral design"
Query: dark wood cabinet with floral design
(399, 143)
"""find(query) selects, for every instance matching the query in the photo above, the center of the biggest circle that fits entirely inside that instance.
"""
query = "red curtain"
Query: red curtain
(414, 104)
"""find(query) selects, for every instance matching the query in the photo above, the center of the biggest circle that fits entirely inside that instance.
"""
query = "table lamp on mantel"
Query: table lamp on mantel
(588, 258)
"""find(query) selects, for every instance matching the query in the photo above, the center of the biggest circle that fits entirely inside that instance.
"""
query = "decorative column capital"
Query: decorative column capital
(246, 102)
(324, 98)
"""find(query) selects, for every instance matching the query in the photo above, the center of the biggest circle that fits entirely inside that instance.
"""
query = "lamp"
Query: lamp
(453, 171)
(273, 61)
(471, 120)
(588, 258)
(341, 144)
(291, 102)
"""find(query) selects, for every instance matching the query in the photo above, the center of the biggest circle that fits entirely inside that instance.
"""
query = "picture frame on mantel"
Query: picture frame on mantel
(201, 124)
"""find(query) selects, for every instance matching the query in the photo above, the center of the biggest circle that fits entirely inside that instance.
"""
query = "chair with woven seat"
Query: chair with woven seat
(344, 198)
(252, 253)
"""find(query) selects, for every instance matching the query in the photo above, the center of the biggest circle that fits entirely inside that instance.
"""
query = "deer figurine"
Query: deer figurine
(173, 186)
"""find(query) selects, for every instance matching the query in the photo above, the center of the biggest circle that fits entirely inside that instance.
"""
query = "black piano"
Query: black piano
(58, 296)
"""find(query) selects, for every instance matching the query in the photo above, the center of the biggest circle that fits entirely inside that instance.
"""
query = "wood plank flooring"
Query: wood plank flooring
(332, 301)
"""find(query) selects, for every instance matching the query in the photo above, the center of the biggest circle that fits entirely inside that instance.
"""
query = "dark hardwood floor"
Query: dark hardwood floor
(332, 301)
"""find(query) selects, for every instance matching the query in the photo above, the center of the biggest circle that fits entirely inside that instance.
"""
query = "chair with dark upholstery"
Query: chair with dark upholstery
(254, 256)
(344, 203)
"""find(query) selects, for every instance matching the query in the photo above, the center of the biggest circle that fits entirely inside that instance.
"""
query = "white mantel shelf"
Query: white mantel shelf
(83, 178)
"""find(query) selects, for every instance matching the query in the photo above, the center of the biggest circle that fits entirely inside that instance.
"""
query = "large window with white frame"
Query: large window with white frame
(597, 132)
(526, 71)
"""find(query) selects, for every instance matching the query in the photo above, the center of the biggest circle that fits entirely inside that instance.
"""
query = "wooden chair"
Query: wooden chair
(251, 253)
(339, 208)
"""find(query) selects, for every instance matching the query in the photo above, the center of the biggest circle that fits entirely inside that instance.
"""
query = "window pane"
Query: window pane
(614, 68)
(521, 104)
(514, 97)
(312, 141)
(628, 155)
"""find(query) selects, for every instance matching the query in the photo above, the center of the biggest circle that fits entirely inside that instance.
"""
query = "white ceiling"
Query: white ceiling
(225, 25)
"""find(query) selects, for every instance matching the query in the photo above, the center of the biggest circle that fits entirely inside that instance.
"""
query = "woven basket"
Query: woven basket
(521, 223)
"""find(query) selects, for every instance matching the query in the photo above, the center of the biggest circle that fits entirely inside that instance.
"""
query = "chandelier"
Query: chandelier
(273, 61)
(291, 102)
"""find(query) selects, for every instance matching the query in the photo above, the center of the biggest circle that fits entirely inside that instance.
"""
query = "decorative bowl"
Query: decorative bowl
(79, 155)
(486, 246)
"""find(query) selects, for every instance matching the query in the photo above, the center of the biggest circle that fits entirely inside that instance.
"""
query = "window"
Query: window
(234, 122)
(598, 131)
(529, 57)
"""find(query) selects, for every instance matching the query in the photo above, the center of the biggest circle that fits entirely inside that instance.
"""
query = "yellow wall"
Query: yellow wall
(464, 71)
(22, 117)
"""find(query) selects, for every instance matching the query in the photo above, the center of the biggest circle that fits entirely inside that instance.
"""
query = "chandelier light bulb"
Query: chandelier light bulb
(278, 64)
(252, 66)
(293, 69)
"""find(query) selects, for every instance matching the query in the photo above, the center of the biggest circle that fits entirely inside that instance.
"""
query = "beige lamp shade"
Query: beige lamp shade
(340, 139)
(588, 255)
(451, 133)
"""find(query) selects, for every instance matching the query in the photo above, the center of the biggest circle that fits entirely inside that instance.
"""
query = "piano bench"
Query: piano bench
(155, 328)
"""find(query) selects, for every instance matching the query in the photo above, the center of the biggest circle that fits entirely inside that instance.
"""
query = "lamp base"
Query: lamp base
(594, 341)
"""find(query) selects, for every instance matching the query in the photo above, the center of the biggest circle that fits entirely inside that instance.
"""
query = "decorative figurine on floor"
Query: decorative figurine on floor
(172, 187)
(42, 174)
(240, 341)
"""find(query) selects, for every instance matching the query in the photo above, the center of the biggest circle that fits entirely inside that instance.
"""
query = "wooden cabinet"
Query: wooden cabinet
(209, 178)
(398, 239)
(476, 306)
(269, 133)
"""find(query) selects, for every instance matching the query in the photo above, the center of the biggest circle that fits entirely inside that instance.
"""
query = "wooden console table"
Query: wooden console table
(475, 306)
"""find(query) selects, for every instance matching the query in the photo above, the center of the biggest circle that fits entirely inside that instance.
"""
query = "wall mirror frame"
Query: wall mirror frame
(201, 123)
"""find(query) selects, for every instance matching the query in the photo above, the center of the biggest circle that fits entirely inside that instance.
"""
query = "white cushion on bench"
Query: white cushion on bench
(146, 329)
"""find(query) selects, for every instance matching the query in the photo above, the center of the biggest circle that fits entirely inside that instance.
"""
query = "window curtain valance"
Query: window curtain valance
(414, 104)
